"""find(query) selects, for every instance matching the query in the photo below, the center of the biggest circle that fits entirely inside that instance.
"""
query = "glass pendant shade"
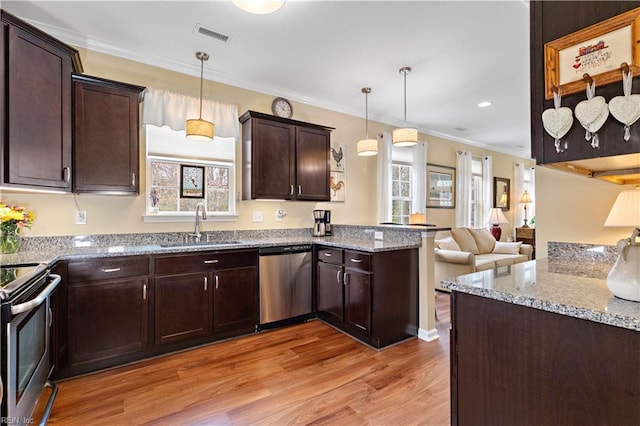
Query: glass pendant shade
(367, 147)
(405, 137)
(259, 7)
(199, 130)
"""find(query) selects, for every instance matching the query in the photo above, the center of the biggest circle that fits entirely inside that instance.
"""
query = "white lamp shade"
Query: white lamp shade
(625, 212)
(415, 218)
(405, 137)
(199, 130)
(496, 217)
(259, 7)
(367, 147)
(526, 198)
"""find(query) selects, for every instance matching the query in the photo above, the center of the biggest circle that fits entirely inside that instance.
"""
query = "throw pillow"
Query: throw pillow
(484, 240)
(448, 243)
(465, 240)
(507, 248)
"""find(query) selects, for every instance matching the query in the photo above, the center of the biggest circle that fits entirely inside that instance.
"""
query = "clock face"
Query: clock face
(282, 108)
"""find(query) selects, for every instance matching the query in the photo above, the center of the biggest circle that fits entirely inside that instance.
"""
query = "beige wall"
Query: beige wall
(572, 208)
(123, 214)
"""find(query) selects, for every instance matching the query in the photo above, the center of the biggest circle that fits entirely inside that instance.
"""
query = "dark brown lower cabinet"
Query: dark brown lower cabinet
(515, 365)
(371, 296)
(236, 305)
(182, 307)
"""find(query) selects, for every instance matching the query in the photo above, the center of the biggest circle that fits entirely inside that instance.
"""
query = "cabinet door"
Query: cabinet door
(105, 137)
(312, 164)
(235, 299)
(329, 290)
(273, 160)
(182, 307)
(106, 319)
(357, 300)
(37, 140)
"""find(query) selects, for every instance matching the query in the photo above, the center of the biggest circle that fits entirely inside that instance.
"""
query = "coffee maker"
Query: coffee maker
(322, 223)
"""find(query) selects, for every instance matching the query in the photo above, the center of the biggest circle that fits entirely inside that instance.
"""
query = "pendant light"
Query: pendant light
(367, 147)
(199, 129)
(405, 136)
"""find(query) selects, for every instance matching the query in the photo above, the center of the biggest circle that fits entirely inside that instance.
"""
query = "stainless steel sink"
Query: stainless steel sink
(200, 243)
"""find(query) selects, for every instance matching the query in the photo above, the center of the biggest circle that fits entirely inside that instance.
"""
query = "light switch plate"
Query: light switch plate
(257, 216)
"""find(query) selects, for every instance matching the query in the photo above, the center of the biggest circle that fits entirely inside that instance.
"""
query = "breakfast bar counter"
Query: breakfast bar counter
(542, 342)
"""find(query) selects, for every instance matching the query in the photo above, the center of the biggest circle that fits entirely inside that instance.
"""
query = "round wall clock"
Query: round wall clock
(282, 108)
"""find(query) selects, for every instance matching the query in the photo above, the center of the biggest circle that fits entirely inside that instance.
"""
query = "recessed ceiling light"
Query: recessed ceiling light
(485, 104)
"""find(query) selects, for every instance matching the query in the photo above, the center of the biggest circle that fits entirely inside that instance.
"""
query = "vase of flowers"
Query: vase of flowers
(12, 220)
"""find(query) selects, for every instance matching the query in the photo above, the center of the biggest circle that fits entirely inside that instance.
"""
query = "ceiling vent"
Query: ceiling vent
(210, 33)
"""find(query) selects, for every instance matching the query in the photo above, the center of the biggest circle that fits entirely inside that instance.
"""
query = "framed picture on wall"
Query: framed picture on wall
(191, 181)
(441, 185)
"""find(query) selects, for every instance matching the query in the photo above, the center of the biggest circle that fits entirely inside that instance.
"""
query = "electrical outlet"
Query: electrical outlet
(257, 216)
(81, 217)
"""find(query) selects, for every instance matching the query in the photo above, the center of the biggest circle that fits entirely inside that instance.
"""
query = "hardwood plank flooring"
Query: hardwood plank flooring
(307, 374)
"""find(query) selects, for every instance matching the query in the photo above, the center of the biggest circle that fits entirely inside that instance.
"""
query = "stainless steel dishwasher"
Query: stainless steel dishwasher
(285, 284)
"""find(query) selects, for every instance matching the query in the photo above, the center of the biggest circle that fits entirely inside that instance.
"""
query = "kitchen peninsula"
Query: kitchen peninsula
(534, 344)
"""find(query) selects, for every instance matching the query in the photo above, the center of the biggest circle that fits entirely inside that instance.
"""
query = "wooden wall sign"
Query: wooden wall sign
(598, 51)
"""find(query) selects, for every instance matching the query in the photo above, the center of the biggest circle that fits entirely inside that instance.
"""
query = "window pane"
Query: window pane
(189, 204)
(395, 173)
(168, 199)
(217, 201)
(164, 174)
(395, 189)
(405, 190)
(217, 177)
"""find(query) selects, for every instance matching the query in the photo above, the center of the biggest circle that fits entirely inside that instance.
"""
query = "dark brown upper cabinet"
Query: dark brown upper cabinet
(35, 70)
(284, 159)
(106, 136)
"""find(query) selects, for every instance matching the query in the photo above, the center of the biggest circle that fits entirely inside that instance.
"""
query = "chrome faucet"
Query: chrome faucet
(196, 233)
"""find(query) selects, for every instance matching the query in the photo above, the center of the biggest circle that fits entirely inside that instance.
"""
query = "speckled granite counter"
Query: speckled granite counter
(52, 249)
(549, 285)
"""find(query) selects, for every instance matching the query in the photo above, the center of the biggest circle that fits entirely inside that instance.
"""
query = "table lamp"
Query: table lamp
(623, 279)
(496, 217)
(417, 219)
(526, 199)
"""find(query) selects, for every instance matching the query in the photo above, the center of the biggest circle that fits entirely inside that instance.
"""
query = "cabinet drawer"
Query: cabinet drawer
(358, 260)
(525, 233)
(107, 268)
(207, 261)
(330, 255)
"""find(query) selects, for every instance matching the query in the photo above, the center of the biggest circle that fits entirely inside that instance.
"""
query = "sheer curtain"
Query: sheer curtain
(463, 188)
(163, 108)
(487, 187)
(419, 178)
(518, 189)
(531, 209)
(384, 177)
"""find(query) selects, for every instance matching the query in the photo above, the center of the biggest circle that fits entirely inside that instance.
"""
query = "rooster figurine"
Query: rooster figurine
(337, 155)
(335, 187)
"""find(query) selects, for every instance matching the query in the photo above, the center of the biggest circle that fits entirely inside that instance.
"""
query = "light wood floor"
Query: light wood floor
(305, 374)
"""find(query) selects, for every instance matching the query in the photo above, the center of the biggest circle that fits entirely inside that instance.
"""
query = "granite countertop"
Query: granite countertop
(551, 286)
(51, 249)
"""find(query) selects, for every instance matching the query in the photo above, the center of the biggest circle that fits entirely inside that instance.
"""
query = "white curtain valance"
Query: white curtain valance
(163, 108)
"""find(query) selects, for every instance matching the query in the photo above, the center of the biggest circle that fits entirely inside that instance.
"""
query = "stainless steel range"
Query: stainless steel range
(25, 318)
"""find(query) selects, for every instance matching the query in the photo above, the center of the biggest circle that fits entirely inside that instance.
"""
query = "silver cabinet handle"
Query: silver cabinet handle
(211, 261)
(299, 189)
(133, 179)
(328, 254)
(66, 173)
(338, 277)
(144, 292)
(291, 190)
(206, 281)
(356, 260)
(50, 317)
(347, 278)
(107, 270)
(217, 281)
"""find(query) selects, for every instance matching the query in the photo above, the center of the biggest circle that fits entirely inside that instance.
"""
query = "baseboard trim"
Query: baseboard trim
(428, 335)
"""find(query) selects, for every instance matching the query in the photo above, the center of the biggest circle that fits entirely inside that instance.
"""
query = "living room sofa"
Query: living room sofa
(462, 251)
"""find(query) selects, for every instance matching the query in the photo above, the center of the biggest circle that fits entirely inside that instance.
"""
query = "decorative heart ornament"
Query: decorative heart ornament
(595, 126)
(592, 110)
(557, 121)
(625, 109)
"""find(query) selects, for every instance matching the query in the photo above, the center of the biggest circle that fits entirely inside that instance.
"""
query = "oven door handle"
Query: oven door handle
(37, 301)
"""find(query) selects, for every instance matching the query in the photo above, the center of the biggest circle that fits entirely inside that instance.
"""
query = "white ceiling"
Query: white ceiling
(323, 52)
